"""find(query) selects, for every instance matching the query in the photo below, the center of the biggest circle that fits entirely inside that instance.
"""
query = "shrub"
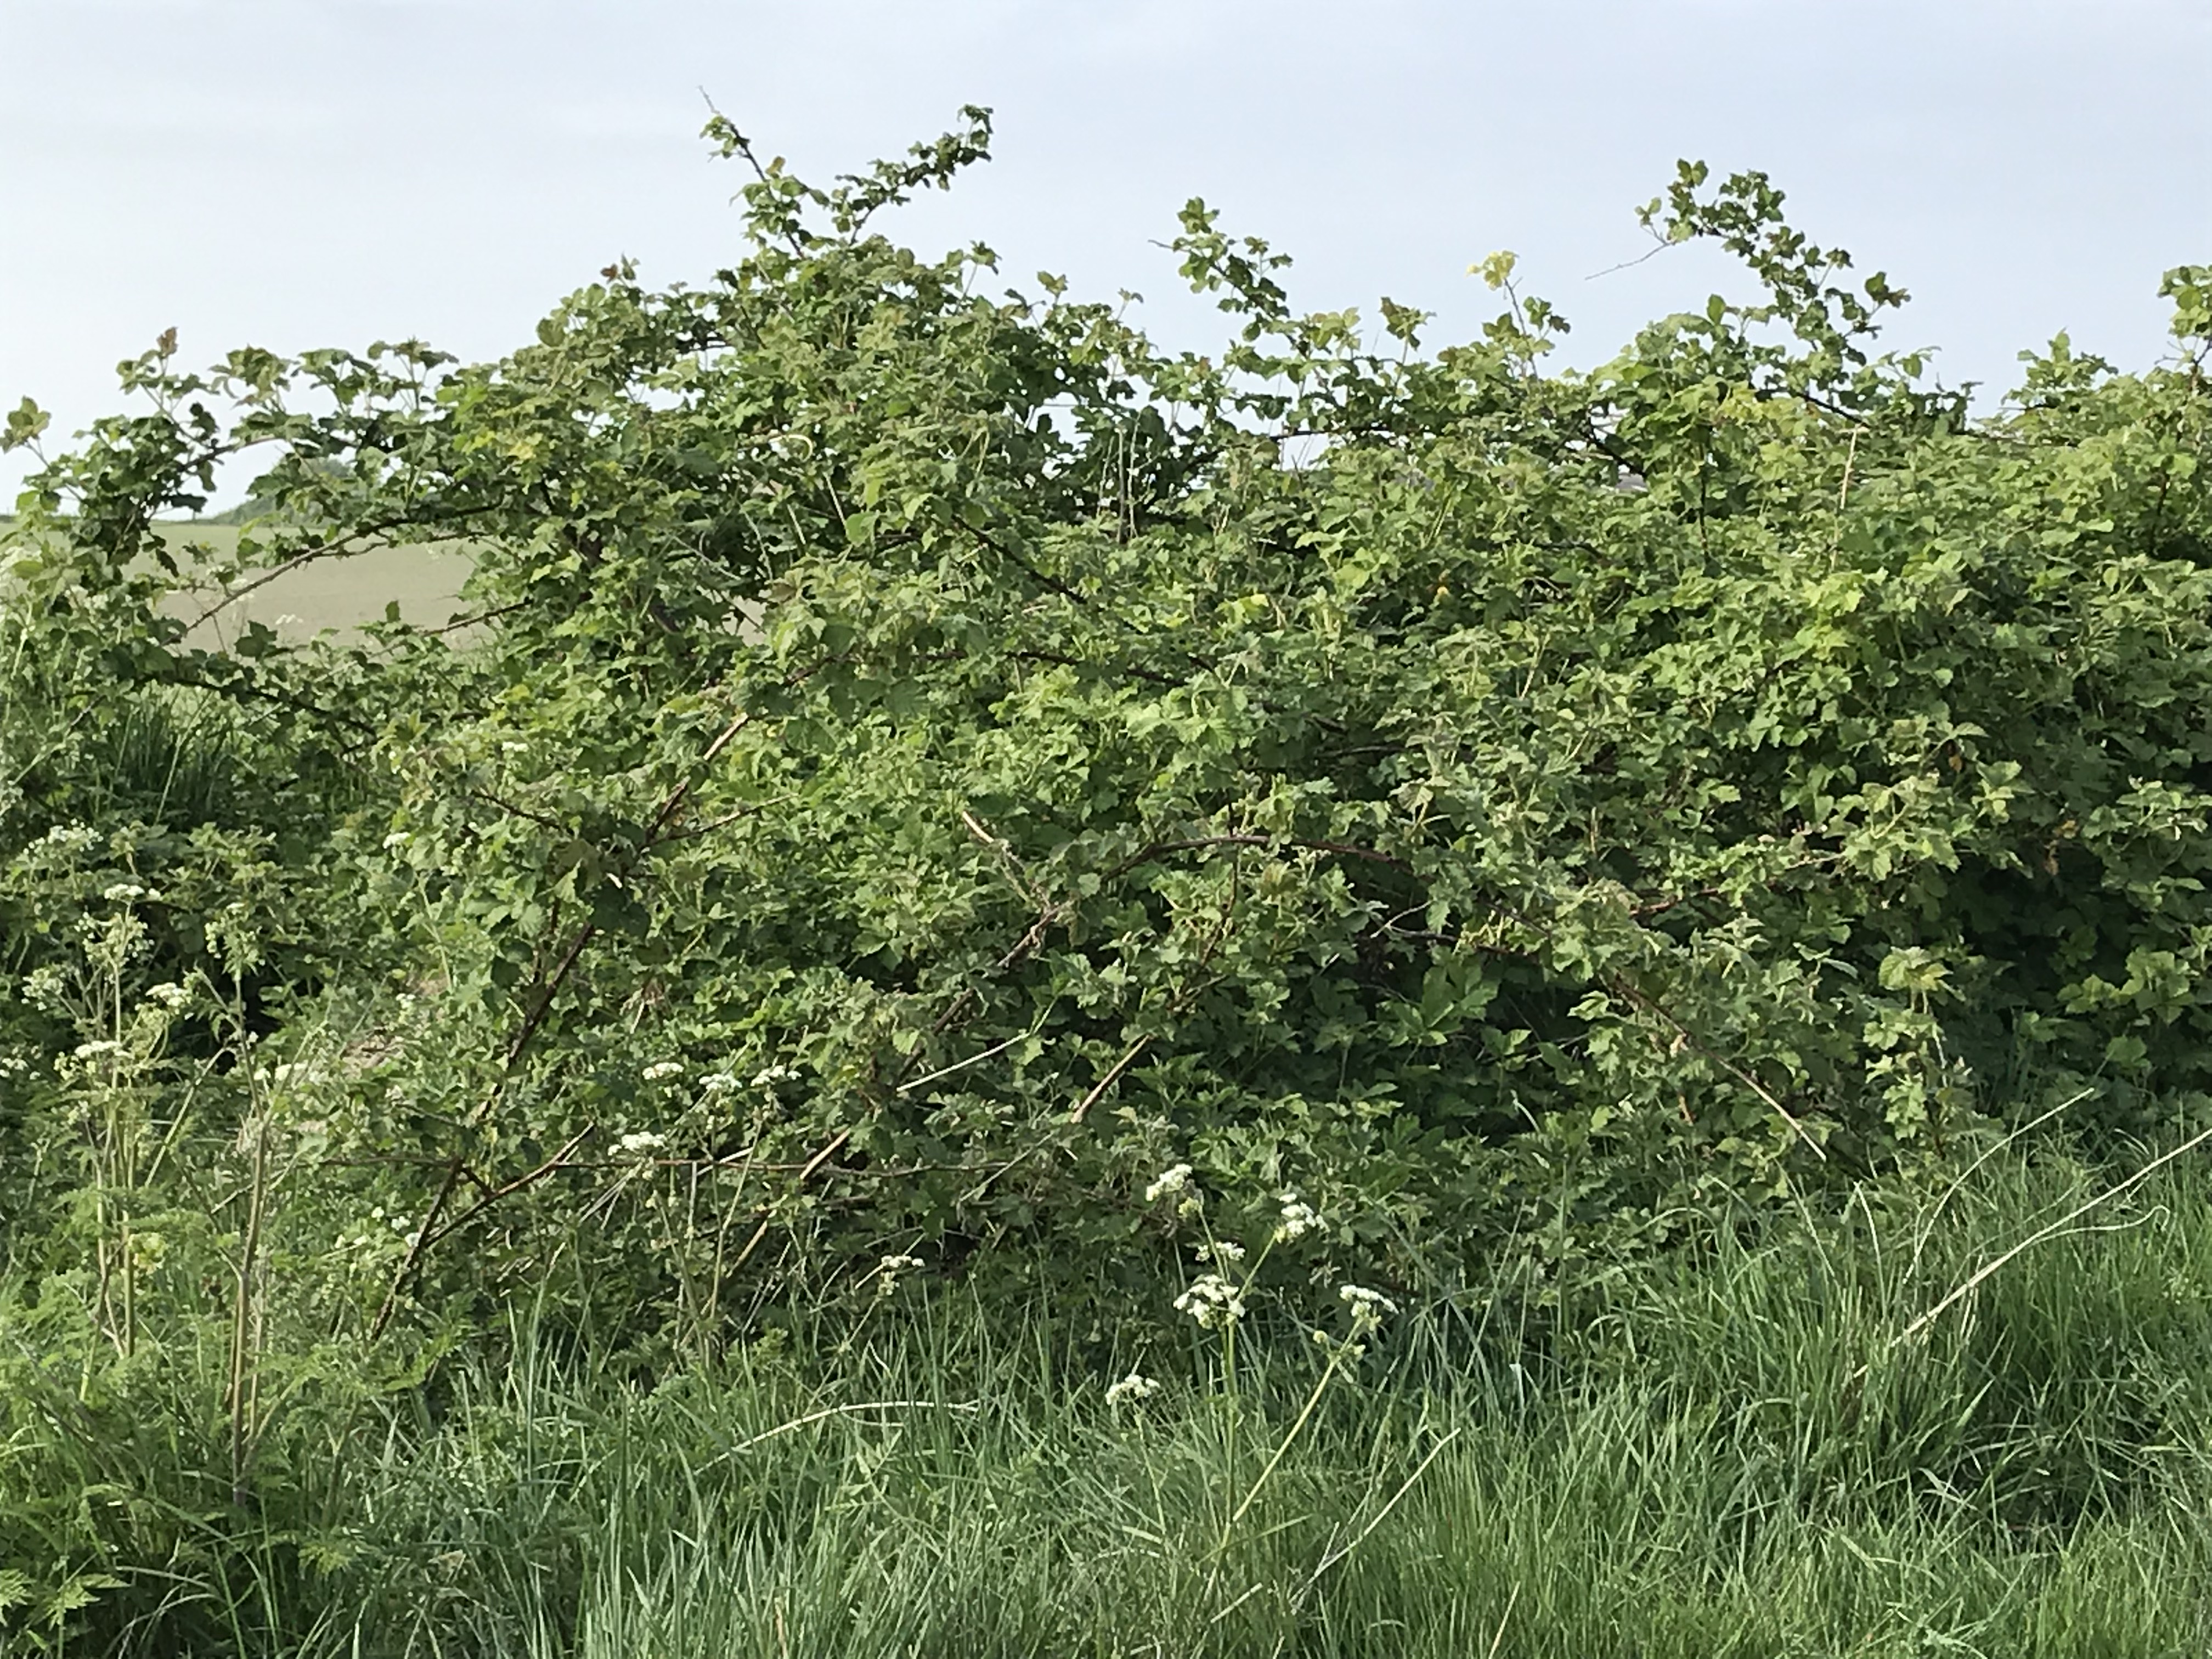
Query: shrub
(924, 763)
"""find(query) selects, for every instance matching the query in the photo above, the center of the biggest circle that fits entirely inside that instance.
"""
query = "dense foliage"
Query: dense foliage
(925, 761)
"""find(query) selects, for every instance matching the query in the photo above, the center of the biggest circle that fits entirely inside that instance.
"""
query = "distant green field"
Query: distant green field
(424, 581)
(336, 592)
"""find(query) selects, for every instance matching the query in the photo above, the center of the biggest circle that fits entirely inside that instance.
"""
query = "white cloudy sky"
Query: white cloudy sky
(299, 172)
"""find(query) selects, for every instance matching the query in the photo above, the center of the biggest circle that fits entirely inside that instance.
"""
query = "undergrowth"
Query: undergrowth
(1760, 1448)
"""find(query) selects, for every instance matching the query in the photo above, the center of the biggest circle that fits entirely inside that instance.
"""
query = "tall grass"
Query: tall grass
(1739, 1452)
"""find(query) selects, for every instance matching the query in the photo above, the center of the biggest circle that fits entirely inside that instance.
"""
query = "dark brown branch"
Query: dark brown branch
(1015, 559)
(506, 805)
(493, 1194)
(1149, 675)
(344, 548)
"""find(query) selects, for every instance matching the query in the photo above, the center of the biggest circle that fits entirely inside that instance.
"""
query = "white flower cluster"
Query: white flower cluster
(169, 995)
(1212, 1301)
(46, 987)
(123, 892)
(73, 837)
(768, 1076)
(1220, 1252)
(888, 1269)
(1367, 1306)
(1134, 1386)
(1297, 1219)
(1168, 1183)
(639, 1142)
(717, 1082)
(662, 1069)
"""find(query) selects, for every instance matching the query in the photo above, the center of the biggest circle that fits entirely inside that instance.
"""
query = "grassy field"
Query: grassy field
(425, 582)
(340, 593)
(1760, 1449)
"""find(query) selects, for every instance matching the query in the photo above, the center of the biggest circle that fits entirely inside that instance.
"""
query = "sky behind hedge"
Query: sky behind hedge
(299, 172)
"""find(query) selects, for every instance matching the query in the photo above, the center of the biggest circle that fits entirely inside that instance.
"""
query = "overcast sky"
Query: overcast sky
(301, 173)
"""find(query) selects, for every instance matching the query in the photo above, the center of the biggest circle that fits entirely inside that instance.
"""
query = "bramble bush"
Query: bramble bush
(924, 760)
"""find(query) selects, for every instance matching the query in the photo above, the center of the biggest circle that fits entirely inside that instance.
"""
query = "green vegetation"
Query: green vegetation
(1735, 1451)
(1587, 986)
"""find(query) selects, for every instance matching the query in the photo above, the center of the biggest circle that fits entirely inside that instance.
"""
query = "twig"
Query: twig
(1022, 564)
(558, 1161)
(1631, 264)
(829, 1151)
(1851, 460)
(1342, 849)
(231, 595)
(1022, 949)
(429, 1229)
(1000, 845)
(1147, 675)
(1741, 1076)
(343, 548)
(1113, 1074)
(1622, 985)
(963, 1065)
(453, 625)
(506, 805)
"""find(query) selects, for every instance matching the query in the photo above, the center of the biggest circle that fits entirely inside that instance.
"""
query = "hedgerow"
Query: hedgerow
(925, 760)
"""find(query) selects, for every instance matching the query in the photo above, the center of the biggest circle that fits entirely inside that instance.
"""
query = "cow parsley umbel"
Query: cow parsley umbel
(1168, 1183)
(1133, 1388)
(1212, 1301)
